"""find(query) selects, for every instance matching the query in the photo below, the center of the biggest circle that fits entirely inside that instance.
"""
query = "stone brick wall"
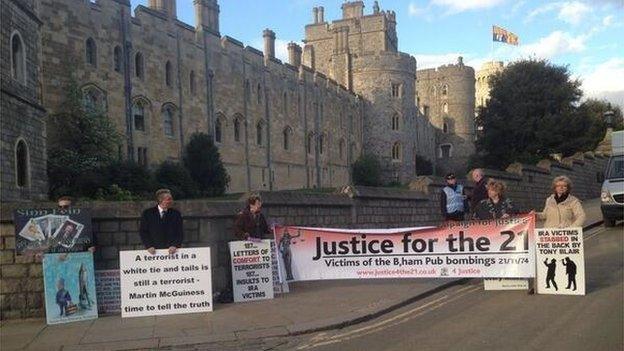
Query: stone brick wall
(209, 223)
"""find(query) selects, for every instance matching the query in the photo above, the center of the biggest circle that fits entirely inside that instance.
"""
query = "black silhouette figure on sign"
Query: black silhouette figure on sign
(550, 274)
(284, 248)
(570, 271)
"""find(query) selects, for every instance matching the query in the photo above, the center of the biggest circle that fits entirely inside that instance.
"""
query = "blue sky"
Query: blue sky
(587, 35)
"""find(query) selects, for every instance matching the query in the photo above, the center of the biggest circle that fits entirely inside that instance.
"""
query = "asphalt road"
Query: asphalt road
(466, 317)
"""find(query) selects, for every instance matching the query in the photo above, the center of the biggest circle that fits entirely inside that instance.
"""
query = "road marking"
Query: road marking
(396, 320)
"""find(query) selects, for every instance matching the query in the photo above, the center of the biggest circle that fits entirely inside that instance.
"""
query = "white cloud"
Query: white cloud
(607, 21)
(556, 43)
(606, 81)
(414, 11)
(457, 6)
(573, 12)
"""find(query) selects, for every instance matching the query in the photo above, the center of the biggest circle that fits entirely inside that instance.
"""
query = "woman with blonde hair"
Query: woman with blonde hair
(496, 205)
(562, 210)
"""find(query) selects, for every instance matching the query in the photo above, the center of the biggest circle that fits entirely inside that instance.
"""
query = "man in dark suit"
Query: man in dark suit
(161, 226)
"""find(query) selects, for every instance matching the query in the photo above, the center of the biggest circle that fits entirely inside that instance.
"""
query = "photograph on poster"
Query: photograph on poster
(52, 230)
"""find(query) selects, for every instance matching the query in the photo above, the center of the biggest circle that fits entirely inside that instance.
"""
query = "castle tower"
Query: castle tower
(269, 43)
(167, 7)
(482, 84)
(360, 52)
(446, 97)
(294, 54)
(207, 15)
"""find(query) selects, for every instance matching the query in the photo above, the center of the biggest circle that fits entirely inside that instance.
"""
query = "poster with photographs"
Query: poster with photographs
(69, 284)
(52, 230)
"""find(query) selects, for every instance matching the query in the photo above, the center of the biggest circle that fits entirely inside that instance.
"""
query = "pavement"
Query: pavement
(309, 307)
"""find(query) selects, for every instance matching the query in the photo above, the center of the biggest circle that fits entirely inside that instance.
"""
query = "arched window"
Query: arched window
(18, 58)
(168, 73)
(138, 113)
(341, 146)
(138, 65)
(93, 99)
(286, 138)
(445, 128)
(445, 108)
(22, 164)
(396, 122)
(117, 59)
(192, 86)
(168, 115)
(91, 52)
(310, 143)
(218, 130)
(396, 151)
(284, 102)
(321, 143)
(260, 133)
(445, 89)
(247, 91)
(237, 124)
(259, 93)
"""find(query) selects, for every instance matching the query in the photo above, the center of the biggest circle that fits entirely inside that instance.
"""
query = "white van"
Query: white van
(612, 194)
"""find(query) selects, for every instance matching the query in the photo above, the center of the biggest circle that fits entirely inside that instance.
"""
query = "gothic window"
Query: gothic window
(396, 122)
(445, 128)
(218, 130)
(22, 164)
(445, 151)
(426, 110)
(142, 156)
(18, 58)
(396, 151)
(321, 143)
(168, 73)
(117, 59)
(192, 86)
(138, 113)
(445, 108)
(247, 91)
(445, 90)
(396, 90)
(286, 135)
(91, 52)
(237, 129)
(168, 116)
(260, 133)
(310, 143)
(284, 102)
(259, 93)
(93, 99)
(138, 66)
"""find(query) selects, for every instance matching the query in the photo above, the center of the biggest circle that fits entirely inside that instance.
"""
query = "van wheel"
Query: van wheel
(609, 222)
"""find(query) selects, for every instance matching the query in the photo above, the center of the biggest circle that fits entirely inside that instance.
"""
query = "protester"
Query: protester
(250, 223)
(562, 210)
(479, 192)
(65, 203)
(453, 200)
(161, 225)
(496, 205)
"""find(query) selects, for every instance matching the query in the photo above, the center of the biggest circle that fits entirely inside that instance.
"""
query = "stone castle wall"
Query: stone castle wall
(209, 223)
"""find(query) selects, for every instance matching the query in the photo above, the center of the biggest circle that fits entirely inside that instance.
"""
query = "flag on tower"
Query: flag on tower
(504, 36)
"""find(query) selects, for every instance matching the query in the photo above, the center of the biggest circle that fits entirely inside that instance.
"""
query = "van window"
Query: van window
(616, 167)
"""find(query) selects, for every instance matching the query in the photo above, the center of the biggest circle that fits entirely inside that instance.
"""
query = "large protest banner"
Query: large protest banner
(52, 230)
(163, 284)
(560, 261)
(252, 272)
(108, 291)
(497, 248)
(69, 286)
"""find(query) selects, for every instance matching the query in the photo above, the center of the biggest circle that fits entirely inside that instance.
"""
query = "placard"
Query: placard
(52, 230)
(560, 261)
(252, 272)
(495, 248)
(506, 284)
(162, 284)
(108, 291)
(69, 286)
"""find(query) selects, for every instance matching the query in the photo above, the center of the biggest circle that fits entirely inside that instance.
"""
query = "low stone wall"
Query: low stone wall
(209, 223)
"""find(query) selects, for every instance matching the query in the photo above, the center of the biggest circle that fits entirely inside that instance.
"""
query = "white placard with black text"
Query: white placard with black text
(560, 261)
(164, 284)
(252, 272)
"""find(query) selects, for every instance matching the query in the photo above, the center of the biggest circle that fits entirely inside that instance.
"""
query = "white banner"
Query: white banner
(163, 284)
(560, 261)
(506, 284)
(252, 272)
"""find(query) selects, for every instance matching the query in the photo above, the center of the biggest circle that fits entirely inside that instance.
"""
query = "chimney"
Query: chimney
(269, 43)
(315, 15)
(321, 14)
(353, 9)
(294, 54)
(207, 15)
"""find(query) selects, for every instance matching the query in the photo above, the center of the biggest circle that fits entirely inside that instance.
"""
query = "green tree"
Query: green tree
(175, 177)
(531, 114)
(367, 171)
(202, 159)
(81, 144)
